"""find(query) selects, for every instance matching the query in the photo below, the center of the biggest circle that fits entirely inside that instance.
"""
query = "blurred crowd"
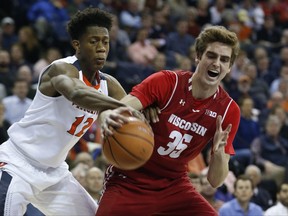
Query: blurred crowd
(151, 35)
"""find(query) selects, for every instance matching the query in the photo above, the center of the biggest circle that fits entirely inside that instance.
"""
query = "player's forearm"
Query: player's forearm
(218, 168)
(93, 100)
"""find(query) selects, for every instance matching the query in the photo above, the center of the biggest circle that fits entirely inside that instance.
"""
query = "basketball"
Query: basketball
(130, 146)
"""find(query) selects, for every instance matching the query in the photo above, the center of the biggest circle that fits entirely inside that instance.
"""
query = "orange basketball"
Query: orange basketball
(130, 146)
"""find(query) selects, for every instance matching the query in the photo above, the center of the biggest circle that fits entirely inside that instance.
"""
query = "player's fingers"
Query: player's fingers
(218, 122)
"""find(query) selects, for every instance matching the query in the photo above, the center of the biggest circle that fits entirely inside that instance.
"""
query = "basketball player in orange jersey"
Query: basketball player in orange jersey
(70, 93)
(195, 110)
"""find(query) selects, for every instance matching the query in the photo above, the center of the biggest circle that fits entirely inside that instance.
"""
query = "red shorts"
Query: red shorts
(180, 199)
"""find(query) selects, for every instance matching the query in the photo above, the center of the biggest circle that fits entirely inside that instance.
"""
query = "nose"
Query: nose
(100, 47)
(216, 62)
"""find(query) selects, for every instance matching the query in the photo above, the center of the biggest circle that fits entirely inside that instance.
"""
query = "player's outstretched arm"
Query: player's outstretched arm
(63, 79)
(219, 163)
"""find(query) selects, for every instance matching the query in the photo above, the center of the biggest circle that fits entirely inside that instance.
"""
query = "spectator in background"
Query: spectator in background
(241, 204)
(177, 9)
(49, 55)
(270, 151)
(25, 73)
(276, 82)
(260, 196)
(193, 27)
(17, 104)
(179, 41)
(281, 208)
(130, 18)
(17, 58)
(50, 16)
(263, 64)
(142, 52)
(30, 44)
(279, 111)
(94, 182)
(204, 16)
(6, 77)
(8, 35)
(4, 124)
(259, 88)
(248, 130)
(238, 68)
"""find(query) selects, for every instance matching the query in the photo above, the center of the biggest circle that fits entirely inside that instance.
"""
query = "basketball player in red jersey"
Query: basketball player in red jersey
(195, 110)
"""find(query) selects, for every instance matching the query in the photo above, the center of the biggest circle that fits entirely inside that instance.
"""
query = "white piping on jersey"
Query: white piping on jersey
(81, 75)
(176, 84)
(226, 111)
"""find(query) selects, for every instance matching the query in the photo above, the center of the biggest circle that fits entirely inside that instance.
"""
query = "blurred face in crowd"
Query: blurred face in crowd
(282, 196)
(4, 59)
(94, 180)
(20, 89)
(243, 191)
(273, 126)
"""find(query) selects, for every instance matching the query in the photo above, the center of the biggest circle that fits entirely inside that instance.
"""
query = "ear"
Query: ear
(76, 45)
(197, 60)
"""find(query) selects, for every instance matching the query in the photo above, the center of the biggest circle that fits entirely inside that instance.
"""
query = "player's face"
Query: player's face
(214, 63)
(93, 48)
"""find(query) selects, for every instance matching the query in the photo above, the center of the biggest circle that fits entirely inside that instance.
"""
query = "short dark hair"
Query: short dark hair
(243, 178)
(88, 17)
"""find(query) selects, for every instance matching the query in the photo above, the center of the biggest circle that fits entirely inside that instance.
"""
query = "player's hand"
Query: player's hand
(221, 136)
(112, 119)
(151, 114)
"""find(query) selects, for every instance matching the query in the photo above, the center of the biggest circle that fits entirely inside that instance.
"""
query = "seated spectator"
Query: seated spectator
(241, 204)
(281, 208)
(94, 182)
(271, 151)
(50, 55)
(25, 72)
(8, 34)
(179, 41)
(259, 88)
(17, 58)
(17, 104)
(261, 196)
(248, 130)
(30, 44)
(142, 51)
(282, 115)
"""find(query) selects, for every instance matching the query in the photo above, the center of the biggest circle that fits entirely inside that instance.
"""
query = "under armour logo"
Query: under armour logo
(182, 102)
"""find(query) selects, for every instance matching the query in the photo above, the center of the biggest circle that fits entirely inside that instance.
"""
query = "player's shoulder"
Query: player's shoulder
(225, 98)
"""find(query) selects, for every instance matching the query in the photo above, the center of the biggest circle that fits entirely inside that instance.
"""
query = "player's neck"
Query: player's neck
(200, 93)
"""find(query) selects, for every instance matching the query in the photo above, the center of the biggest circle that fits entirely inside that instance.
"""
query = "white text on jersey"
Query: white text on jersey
(183, 124)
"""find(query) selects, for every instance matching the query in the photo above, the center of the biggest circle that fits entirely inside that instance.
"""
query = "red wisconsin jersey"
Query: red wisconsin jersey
(186, 124)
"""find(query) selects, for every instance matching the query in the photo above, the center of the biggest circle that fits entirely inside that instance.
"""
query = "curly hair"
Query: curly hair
(213, 34)
(88, 17)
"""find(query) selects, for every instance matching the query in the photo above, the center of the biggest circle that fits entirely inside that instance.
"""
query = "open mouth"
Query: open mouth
(212, 73)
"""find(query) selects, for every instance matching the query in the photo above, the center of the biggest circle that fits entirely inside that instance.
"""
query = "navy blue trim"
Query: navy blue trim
(4, 184)
(77, 64)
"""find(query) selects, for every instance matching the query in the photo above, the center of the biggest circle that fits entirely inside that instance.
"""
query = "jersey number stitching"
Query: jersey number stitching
(87, 123)
(177, 146)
